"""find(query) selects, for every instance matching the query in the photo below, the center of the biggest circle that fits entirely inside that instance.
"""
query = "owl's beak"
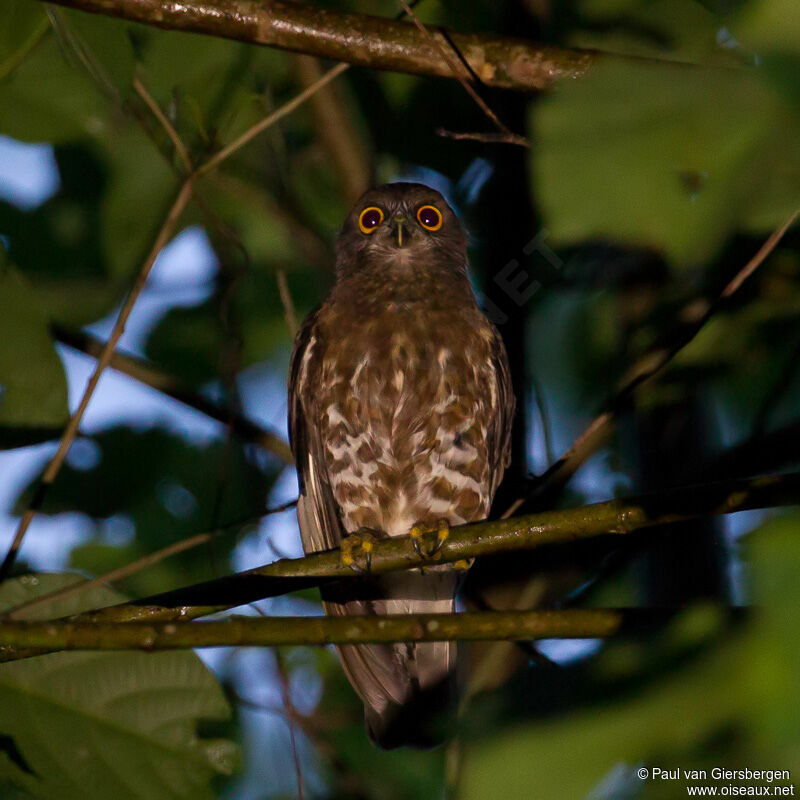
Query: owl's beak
(401, 229)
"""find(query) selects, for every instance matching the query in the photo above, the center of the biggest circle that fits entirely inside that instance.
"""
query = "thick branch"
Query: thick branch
(355, 38)
(16, 637)
(617, 517)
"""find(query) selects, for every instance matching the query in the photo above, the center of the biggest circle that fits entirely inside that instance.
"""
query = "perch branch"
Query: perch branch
(103, 360)
(618, 517)
(359, 39)
(167, 384)
(353, 629)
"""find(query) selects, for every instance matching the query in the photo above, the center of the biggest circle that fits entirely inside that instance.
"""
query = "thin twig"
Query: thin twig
(458, 71)
(104, 358)
(289, 717)
(271, 119)
(169, 385)
(121, 573)
(756, 261)
(346, 149)
(645, 369)
(180, 148)
(488, 138)
(286, 301)
(281, 112)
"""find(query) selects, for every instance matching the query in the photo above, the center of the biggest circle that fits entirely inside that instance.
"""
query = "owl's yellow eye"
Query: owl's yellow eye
(429, 217)
(369, 219)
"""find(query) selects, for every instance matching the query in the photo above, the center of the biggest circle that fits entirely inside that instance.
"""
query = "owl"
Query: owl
(400, 411)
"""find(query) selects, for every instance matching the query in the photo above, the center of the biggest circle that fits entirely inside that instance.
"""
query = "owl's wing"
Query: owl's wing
(502, 411)
(317, 512)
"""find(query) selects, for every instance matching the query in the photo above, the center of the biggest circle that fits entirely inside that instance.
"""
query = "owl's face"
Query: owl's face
(398, 224)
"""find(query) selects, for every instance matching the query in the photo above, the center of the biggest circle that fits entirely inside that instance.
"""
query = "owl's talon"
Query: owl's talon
(417, 534)
(363, 541)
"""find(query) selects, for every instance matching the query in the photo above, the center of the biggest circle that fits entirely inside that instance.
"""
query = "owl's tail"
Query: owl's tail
(408, 689)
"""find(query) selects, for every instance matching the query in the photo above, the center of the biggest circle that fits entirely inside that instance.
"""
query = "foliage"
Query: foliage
(649, 183)
(88, 725)
(727, 704)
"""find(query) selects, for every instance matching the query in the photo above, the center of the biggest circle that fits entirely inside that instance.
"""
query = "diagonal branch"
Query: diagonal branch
(156, 111)
(167, 384)
(458, 70)
(617, 517)
(104, 358)
(358, 39)
(156, 557)
(645, 369)
(15, 637)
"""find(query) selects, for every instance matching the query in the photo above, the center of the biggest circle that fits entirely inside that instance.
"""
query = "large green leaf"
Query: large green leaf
(140, 190)
(52, 101)
(67, 85)
(33, 387)
(99, 725)
(769, 25)
(671, 158)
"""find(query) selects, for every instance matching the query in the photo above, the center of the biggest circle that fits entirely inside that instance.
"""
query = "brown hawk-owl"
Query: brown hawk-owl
(400, 415)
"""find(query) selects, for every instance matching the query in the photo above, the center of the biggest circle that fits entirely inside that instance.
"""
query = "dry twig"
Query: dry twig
(647, 368)
(103, 360)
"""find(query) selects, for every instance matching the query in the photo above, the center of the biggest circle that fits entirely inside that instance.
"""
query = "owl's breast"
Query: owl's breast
(404, 405)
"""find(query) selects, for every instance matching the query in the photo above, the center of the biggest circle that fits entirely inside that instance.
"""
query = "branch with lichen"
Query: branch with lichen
(283, 631)
(359, 39)
(615, 517)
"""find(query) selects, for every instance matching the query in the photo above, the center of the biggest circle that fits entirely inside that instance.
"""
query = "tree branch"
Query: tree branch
(171, 386)
(696, 315)
(348, 153)
(53, 467)
(17, 637)
(617, 517)
(358, 39)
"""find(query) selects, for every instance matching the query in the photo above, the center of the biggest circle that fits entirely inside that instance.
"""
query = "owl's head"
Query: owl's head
(399, 224)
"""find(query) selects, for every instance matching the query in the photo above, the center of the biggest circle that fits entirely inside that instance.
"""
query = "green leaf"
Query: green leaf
(665, 157)
(733, 703)
(100, 46)
(769, 25)
(98, 725)
(64, 90)
(52, 100)
(33, 387)
(140, 191)
(22, 24)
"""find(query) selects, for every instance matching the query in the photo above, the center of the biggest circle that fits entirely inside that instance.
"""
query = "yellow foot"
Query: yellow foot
(356, 549)
(417, 534)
